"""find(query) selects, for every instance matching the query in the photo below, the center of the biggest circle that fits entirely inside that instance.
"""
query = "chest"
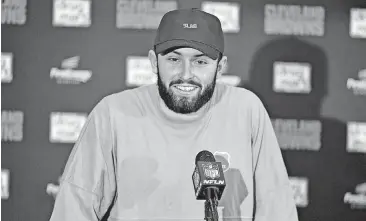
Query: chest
(156, 162)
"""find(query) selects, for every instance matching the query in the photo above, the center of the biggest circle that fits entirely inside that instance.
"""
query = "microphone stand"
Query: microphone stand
(211, 210)
(211, 204)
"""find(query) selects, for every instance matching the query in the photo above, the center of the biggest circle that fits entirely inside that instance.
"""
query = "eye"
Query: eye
(201, 62)
(173, 59)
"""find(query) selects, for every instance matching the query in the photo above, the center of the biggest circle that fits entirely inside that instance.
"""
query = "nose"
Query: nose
(186, 71)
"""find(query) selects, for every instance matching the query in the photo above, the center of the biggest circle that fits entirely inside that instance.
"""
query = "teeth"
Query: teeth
(186, 88)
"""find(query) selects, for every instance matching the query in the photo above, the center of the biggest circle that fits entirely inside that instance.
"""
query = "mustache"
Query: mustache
(180, 81)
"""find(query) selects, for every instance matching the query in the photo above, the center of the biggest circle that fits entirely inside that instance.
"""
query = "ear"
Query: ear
(221, 66)
(153, 61)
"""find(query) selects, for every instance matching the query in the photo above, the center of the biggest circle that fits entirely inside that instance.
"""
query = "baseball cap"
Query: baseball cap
(190, 28)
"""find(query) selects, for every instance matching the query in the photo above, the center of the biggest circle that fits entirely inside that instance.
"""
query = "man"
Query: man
(135, 155)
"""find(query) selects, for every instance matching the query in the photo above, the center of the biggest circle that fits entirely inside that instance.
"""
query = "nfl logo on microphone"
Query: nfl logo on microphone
(211, 171)
(208, 174)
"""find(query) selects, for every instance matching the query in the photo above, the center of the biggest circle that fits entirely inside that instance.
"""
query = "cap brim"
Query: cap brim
(179, 43)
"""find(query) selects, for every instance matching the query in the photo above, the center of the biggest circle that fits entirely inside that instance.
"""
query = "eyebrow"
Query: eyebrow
(197, 56)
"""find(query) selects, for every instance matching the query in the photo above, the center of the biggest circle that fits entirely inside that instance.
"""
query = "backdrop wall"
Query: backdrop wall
(330, 169)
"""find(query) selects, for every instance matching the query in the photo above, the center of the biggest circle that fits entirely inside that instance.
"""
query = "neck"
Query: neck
(177, 118)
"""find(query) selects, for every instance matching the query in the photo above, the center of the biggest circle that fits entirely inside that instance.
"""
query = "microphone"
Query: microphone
(208, 182)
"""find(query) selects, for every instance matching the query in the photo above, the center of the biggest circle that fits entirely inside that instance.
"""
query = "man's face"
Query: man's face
(186, 79)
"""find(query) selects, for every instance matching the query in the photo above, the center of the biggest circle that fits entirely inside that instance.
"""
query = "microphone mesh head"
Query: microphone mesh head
(205, 156)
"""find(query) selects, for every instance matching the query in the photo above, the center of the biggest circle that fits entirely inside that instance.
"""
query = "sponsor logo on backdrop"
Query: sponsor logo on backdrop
(301, 20)
(71, 13)
(13, 12)
(356, 137)
(301, 191)
(142, 14)
(293, 134)
(358, 86)
(65, 127)
(228, 14)
(358, 23)
(232, 80)
(292, 77)
(227, 78)
(5, 182)
(12, 126)
(67, 73)
(6, 67)
(139, 71)
(356, 200)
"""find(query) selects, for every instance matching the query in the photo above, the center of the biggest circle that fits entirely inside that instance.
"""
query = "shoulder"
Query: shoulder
(242, 97)
(128, 101)
(125, 95)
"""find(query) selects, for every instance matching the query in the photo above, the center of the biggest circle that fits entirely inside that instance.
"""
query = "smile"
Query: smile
(185, 89)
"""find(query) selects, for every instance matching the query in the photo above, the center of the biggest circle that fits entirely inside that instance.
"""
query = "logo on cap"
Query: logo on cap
(186, 25)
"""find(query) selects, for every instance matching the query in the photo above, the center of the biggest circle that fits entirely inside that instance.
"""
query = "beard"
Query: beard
(185, 105)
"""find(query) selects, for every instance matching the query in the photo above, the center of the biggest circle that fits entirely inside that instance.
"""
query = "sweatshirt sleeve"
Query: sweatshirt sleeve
(273, 194)
(87, 185)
